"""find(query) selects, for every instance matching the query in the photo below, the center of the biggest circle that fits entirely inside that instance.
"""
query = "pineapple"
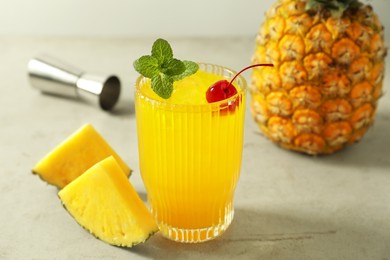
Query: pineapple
(328, 73)
(74, 156)
(103, 201)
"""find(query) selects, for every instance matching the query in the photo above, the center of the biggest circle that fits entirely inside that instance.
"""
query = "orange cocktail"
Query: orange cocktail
(190, 154)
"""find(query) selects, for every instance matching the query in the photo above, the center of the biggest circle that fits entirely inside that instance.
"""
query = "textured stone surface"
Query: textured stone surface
(288, 205)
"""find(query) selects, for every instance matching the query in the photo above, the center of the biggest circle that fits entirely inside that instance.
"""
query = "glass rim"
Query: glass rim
(240, 91)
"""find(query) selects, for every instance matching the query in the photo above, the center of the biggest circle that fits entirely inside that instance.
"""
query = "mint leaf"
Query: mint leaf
(190, 68)
(173, 67)
(162, 85)
(162, 51)
(163, 69)
(147, 66)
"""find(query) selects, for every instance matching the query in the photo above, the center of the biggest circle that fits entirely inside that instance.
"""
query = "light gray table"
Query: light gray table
(288, 206)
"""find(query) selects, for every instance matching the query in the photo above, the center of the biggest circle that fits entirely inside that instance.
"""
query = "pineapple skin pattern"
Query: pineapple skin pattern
(323, 91)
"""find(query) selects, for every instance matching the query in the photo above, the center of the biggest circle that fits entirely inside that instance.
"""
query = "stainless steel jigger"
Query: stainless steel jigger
(52, 76)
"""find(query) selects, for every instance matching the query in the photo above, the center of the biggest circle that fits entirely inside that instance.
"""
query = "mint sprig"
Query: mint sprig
(163, 69)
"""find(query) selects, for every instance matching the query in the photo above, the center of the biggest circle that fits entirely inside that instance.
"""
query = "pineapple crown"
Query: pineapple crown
(336, 7)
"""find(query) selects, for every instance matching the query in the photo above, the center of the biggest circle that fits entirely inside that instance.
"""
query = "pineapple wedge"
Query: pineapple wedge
(103, 201)
(74, 156)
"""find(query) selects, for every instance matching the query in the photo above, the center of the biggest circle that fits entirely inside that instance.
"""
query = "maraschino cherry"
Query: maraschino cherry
(224, 89)
(220, 90)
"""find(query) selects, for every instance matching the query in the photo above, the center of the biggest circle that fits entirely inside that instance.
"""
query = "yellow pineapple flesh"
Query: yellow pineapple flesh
(75, 155)
(103, 201)
(328, 72)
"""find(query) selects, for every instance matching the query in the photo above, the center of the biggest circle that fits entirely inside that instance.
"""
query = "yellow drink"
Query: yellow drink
(190, 154)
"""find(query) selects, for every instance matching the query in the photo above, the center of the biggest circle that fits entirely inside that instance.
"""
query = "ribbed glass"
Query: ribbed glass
(190, 158)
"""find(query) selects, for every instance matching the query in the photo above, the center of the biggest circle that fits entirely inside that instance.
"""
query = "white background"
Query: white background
(141, 18)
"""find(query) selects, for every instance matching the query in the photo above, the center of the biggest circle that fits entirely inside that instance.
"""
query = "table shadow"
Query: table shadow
(268, 235)
(124, 108)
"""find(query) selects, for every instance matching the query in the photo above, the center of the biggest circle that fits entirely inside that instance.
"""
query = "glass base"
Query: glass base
(196, 235)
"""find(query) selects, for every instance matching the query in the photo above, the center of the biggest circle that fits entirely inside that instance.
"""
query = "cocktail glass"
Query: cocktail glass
(190, 159)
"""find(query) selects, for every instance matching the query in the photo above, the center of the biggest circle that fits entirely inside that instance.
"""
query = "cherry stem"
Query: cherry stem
(249, 67)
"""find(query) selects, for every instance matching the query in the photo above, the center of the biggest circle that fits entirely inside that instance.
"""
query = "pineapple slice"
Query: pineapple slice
(103, 201)
(74, 156)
